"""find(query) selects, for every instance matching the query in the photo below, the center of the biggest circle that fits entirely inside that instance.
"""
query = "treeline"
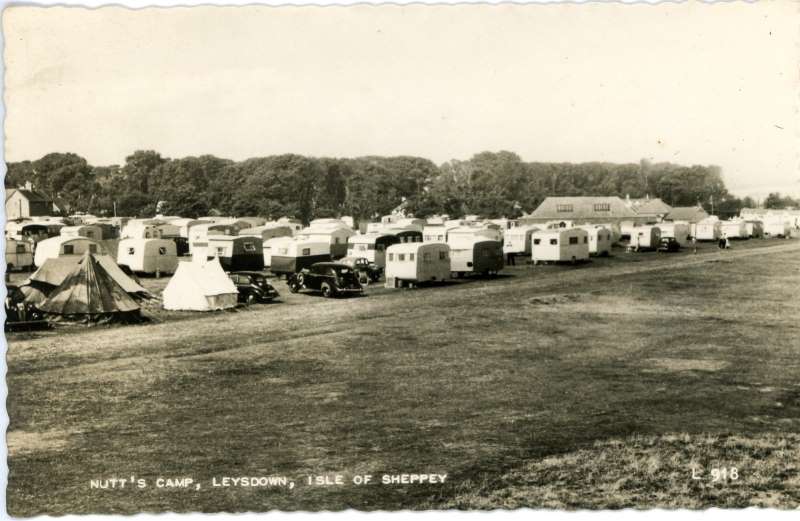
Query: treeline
(492, 184)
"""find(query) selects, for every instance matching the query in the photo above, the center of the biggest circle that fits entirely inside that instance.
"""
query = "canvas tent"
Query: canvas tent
(200, 285)
(89, 293)
(55, 270)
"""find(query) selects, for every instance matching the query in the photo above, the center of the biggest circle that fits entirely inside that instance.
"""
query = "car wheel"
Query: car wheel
(327, 291)
(294, 287)
(251, 299)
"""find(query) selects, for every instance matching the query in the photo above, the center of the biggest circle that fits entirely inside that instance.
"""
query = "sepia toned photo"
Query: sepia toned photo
(402, 257)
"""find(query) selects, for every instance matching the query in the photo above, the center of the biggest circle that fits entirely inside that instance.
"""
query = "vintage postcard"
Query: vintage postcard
(402, 257)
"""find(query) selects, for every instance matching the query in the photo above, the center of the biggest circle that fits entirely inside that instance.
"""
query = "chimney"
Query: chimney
(28, 185)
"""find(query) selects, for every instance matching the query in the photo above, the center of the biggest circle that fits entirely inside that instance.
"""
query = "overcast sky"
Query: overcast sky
(692, 84)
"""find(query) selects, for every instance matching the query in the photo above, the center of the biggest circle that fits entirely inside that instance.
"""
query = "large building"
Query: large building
(24, 203)
(583, 210)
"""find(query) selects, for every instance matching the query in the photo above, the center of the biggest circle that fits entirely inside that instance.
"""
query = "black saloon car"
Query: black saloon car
(253, 287)
(330, 278)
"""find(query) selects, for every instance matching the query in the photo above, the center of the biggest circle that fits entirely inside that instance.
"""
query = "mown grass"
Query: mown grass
(486, 382)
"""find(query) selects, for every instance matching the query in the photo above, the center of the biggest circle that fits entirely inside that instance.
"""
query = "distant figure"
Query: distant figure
(694, 245)
(727, 243)
(511, 259)
(721, 242)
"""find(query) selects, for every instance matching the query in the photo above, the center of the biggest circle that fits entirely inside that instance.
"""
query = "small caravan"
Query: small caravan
(267, 231)
(200, 285)
(19, 254)
(708, 229)
(676, 230)
(291, 255)
(645, 238)
(600, 239)
(478, 256)
(416, 262)
(404, 233)
(90, 231)
(560, 245)
(734, 229)
(237, 253)
(755, 229)
(33, 230)
(60, 246)
(336, 234)
(434, 233)
(184, 225)
(517, 240)
(270, 245)
(464, 236)
(151, 256)
(140, 229)
(371, 246)
(294, 224)
(776, 226)
(199, 235)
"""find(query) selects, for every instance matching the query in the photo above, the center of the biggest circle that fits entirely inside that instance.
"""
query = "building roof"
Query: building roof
(692, 214)
(30, 195)
(650, 206)
(560, 208)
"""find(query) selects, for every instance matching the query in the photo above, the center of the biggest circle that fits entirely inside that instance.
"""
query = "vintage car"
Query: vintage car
(330, 278)
(669, 244)
(253, 287)
(366, 270)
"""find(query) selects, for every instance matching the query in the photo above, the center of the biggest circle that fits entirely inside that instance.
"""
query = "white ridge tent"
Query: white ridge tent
(200, 285)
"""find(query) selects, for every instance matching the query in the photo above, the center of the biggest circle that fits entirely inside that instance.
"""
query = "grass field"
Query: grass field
(603, 385)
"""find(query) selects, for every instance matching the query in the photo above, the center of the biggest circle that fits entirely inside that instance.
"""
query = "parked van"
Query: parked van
(412, 263)
(560, 245)
(149, 256)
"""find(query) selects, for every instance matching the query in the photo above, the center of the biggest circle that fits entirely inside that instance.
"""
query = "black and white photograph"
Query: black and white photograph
(392, 257)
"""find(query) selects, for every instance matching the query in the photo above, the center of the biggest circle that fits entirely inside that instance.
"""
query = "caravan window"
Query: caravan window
(336, 240)
(391, 256)
(537, 241)
(401, 256)
(249, 246)
(585, 239)
(442, 255)
(69, 249)
(306, 252)
(146, 235)
(162, 250)
(220, 251)
(573, 240)
(131, 251)
(92, 248)
(411, 256)
(426, 257)
(20, 248)
(90, 234)
(554, 241)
